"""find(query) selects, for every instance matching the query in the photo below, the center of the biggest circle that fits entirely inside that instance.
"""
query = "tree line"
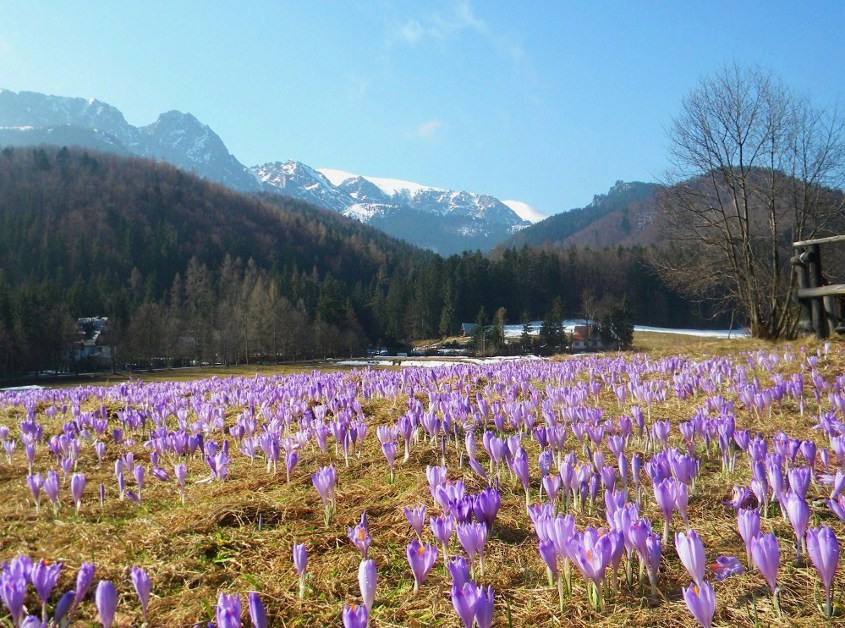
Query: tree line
(189, 271)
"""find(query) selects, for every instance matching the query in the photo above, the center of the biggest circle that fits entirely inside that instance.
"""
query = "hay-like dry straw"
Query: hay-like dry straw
(236, 535)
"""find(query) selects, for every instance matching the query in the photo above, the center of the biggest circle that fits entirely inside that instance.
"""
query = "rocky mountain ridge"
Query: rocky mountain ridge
(446, 221)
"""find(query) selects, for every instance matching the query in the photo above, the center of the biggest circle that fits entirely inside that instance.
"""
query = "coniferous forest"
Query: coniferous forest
(187, 271)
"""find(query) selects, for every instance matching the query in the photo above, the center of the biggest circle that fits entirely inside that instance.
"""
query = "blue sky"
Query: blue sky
(544, 102)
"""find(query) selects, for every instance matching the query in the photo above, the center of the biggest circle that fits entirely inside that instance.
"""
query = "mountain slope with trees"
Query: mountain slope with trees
(186, 270)
(625, 215)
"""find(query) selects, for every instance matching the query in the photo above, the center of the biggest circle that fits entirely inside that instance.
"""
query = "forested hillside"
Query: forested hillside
(625, 215)
(188, 270)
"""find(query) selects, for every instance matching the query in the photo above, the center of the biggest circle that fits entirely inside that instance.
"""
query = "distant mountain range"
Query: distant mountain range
(442, 220)
(445, 221)
(28, 118)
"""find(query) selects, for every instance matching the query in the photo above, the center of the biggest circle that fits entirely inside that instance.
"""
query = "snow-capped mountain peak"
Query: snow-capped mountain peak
(526, 211)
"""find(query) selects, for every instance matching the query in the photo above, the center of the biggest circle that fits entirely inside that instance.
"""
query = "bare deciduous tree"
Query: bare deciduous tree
(754, 167)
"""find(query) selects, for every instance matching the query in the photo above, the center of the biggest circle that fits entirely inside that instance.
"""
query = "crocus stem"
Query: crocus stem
(302, 587)
(665, 530)
(560, 591)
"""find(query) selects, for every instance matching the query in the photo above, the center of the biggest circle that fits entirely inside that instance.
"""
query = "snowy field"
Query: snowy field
(515, 331)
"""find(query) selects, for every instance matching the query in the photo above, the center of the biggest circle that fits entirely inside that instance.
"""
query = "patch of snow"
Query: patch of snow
(362, 211)
(515, 330)
(398, 186)
(701, 333)
(526, 211)
(364, 363)
(336, 177)
(391, 187)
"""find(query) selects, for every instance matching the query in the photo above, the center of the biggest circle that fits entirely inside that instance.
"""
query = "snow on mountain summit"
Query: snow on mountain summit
(526, 211)
(391, 187)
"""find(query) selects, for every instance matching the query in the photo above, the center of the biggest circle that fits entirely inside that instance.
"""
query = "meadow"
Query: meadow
(553, 493)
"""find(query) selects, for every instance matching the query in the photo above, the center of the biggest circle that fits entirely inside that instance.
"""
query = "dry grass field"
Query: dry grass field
(235, 534)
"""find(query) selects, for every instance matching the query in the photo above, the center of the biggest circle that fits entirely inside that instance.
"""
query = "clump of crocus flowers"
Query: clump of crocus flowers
(324, 481)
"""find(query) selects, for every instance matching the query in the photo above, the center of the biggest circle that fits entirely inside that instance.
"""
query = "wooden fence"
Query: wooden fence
(821, 303)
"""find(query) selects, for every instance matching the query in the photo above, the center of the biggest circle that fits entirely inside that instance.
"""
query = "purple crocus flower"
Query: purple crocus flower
(701, 602)
(748, 522)
(324, 481)
(257, 614)
(521, 470)
(43, 576)
(799, 515)
(138, 472)
(725, 567)
(51, 487)
(291, 458)
(459, 570)
(766, 555)
(837, 506)
(665, 493)
(590, 552)
(62, 607)
(484, 607)
(141, 582)
(681, 500)
(106, 601)
(464, 599)
(389, 451)
(228, 611)
(35, 482)
(443, 527)
(799, 480)
(549, 554)
(367, 575)
(355, 616)
(180, 471)
(360, 537)
(691, 552)
(77, 486)
(421, 559)
(84, 578)
(551, 484)
(654, 550)
(823, 549)
(13, 592)
(300, 563)
(416, 517)
(472, 537)
(485, 506)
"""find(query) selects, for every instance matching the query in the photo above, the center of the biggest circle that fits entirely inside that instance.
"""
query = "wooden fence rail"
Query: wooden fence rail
(821, 303)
